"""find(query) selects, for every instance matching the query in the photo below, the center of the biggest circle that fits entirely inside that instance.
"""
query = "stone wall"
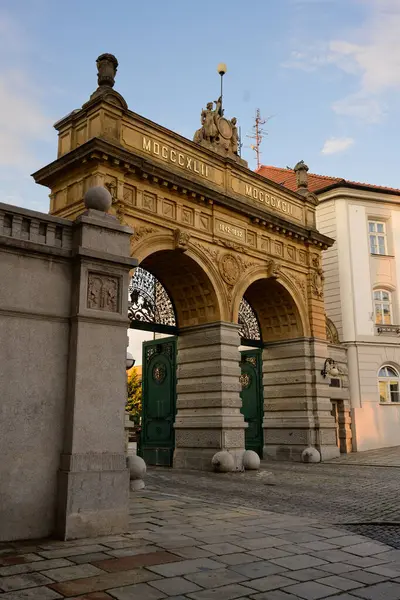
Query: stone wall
(48, 367)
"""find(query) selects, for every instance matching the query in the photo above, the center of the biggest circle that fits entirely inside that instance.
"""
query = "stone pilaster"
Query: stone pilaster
(208, 396)
(93, 483)
(297, 407)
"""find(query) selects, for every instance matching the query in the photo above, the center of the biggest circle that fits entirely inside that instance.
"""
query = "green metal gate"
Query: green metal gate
(252, 399)
(157, 440)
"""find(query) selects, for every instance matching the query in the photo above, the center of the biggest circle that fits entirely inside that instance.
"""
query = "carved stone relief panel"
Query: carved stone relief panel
(103, 292)
(278, 248)
(302, 257)
(187, 215)
(129, 194)
(251, 238)
(150, 201)
(169, 209)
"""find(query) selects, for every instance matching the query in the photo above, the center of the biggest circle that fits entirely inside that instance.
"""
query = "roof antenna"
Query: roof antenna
(258, 135)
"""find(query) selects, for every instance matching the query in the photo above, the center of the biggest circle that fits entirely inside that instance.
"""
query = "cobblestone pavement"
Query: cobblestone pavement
(361, 498)
(181, 548)
(384, 457)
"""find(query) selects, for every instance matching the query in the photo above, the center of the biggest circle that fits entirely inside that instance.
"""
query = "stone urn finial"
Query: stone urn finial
(107, 66)
(301, 170)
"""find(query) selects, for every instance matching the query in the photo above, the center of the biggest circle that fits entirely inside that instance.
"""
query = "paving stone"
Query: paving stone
(141, 591)
(318, 546)
(227, 592)
(367, 549)
(300, 538)
(307, 574)
(102, 582)
(390, 556)
(258, 569)
(332, 555)
(127, 563)
(41, 565)
(87, 558)
(191, 552)
(266, 542)
(391, 570)
(310, 590)
(350, 540)
(64, 552)
(37, 593)
(365, 577)
(19, 559)
(275, 595)
(342, 583)
(387, 590)
(74, 572)
(267, 553)
(175, 585)
(364, 561)
(185, 566)
(237, 559)
(132, 551)
(18, 582)
(216, 578)
(339, 568)
(300, 561)
(222, 548)
(295, 549)
(271, 582)
(93, 596)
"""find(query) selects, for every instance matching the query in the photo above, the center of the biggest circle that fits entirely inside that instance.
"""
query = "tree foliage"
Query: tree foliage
(134, 402)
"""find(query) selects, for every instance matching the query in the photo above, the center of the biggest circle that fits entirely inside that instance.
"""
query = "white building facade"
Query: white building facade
(362, 296)
(362, 278)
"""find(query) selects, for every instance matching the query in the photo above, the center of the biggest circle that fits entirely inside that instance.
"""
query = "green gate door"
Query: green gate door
(157, 440)
(252, 399)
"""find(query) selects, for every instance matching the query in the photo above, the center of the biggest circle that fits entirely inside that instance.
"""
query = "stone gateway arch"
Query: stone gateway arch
(227, 246)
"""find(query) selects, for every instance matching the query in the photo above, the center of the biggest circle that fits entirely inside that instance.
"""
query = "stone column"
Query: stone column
(297, 407)
(208, 396)
(93, 487)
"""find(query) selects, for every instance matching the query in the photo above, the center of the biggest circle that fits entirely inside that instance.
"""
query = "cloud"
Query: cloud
(370, 54)
(335, 145)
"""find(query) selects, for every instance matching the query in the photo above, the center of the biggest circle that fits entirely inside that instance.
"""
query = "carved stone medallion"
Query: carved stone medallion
(224, 128)
(229, 268)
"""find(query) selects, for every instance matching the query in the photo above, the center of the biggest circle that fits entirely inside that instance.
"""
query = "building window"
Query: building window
(382, 307)
(388, 384)
(377, 237)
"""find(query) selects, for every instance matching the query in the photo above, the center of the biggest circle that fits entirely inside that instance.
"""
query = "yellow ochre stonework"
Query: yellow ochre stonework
(235, 227)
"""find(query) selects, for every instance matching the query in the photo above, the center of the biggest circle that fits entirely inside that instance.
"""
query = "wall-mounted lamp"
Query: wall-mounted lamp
(330, 368)
(130, 361)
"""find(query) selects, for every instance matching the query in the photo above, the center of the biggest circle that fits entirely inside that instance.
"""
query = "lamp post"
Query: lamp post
(221, 69)
(330, 368)
(130, 361)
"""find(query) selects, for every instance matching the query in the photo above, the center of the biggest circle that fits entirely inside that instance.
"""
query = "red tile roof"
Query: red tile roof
(316, 183)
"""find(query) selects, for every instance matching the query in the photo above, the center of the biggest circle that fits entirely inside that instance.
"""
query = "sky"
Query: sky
(325, 74)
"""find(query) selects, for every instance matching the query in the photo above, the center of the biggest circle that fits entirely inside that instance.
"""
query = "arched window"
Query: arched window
(389, 382)
(383, 307)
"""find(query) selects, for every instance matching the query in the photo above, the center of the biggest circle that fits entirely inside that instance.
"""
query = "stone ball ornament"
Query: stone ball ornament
(137, 470)
(311, 455)
(98, 198)
(223, 462)
(251, 460)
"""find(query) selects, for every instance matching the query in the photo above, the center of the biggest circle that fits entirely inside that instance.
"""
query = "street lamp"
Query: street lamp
(221, 69)
(130, 361)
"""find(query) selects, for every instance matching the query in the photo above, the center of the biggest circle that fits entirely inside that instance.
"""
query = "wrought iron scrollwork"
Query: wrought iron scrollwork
(149, 301)
(249, 327)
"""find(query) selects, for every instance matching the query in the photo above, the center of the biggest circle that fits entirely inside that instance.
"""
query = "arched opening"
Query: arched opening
(169, 291)
(277, 312)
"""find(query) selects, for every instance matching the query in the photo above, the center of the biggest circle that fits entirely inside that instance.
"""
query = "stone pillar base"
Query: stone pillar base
(297, 406)
(92, 503)
(208, 415)
(200, 458)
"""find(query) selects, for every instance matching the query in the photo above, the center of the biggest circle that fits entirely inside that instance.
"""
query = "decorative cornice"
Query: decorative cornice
(100, 150)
